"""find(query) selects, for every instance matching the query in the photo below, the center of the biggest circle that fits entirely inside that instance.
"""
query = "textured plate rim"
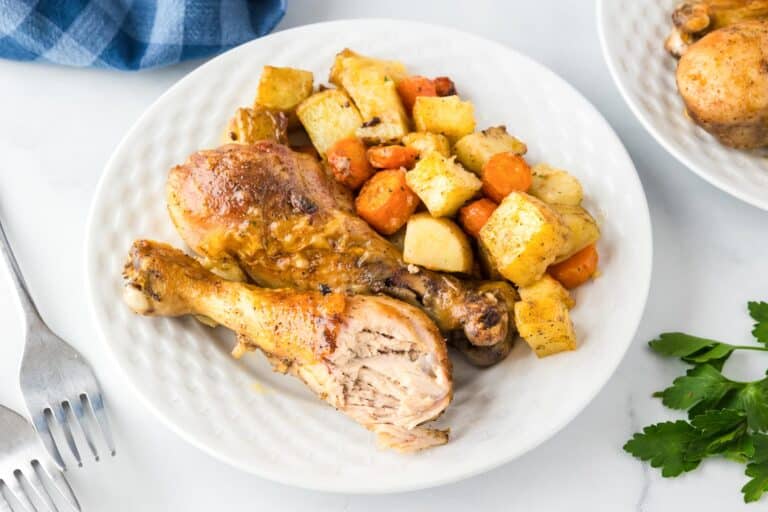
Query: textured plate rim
(329, 485)
(647, 123)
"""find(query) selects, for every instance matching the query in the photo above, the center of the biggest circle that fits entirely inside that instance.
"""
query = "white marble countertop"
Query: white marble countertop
(58, 127)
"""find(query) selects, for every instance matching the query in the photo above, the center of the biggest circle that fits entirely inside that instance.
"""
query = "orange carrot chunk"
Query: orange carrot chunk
(392, 157)
(349, 163)
(444, 86)
(505, 173)
(474, 216)
(577, 269)
(386, 202)
(412, 87)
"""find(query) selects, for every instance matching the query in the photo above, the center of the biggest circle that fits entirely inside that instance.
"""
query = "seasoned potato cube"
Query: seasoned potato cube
(581, 230)
(284, 88)
(344, 59)
(424, 142)
(436, 244)
(442, 184)
(545, 325)
(486, 265)
(372, 85)
(251, 124)
(328, 116)
(447, 115)
(522, 238)
(547, 288)
(474, 150)
(555, 186)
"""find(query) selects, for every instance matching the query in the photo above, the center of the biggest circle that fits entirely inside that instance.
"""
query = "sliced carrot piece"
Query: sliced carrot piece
(392, 157)
(349, 163)
(444, 86)
(577, 269)
(386, 202)
(474, 216)
(505, 173)
(412, 87)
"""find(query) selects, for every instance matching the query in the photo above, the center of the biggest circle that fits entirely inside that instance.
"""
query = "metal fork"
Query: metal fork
(29, 481)
(62, 394)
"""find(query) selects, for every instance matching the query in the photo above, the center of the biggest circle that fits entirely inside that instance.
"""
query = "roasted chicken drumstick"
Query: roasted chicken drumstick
(284, 221)
(378, 360)
(693, 19)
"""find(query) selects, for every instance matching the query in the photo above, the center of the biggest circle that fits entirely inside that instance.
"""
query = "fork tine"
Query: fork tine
(58, 482)
(41, 422)
(75, 409)
(95, 404)
(60, 414)
(4, 505)
(14, 488)
(40, 493)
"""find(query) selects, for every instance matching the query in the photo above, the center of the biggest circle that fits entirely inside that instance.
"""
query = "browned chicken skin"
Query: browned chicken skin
(285, 222)
(723, 80)
(378, 360)
(722, 75)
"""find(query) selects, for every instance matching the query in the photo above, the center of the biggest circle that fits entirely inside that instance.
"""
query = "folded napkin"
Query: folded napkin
(130, 34)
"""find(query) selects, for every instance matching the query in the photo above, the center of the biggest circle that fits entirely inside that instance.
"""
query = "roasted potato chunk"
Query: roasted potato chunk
(394, 69)
(486, 265)
(447, 115)
(424, 233)
(283, 89)
(474, 150)
(249, 125)
(425, 142)
(328, 116)
(442, 184)
(547, 288)
(546, 326)
(372, 85)
(581, 230)
(522, 238)
(553, 185)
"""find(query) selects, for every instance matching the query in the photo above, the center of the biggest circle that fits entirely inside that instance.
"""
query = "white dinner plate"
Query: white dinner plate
(269, 424)
(632, 35)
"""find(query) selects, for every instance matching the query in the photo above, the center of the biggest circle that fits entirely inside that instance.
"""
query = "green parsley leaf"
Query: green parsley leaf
(759, 312)
(692, 349)
(755, 488)
(740, 450)
(759, 447)
(678, 344)
(715, 422)
(718, 352)
(752, 398)
(702, 387)
(665, 446)
(757, 469)
(720, 432)
(717, 364)
(760, 332)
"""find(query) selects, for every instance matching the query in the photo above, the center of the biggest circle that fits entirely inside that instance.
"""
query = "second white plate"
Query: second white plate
(632, 35)
(269, 424)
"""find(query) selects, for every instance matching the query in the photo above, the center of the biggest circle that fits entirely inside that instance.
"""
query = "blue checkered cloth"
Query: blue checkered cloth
(130, 34)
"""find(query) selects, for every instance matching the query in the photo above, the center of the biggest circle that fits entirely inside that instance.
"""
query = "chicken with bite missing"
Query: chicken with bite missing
(378, 360)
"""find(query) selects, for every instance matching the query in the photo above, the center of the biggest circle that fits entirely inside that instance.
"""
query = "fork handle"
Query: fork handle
(31, 315)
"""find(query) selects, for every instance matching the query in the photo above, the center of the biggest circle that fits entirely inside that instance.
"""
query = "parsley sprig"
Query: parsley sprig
(725, 417)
